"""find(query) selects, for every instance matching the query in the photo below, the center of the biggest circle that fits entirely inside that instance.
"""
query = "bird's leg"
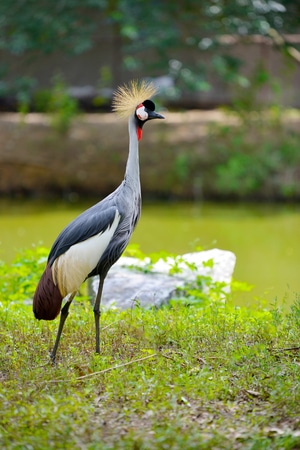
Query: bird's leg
(63, 315)
(97, 312)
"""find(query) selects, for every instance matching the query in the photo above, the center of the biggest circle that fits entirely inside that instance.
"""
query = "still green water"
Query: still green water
(265, 238)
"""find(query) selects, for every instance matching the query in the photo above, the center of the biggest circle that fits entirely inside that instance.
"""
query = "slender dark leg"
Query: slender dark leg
(63, 315)
(97, 312)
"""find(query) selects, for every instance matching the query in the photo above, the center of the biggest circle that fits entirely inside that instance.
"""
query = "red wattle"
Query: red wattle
(139, 132)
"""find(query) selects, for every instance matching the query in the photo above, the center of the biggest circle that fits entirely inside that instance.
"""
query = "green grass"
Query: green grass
(182, 377)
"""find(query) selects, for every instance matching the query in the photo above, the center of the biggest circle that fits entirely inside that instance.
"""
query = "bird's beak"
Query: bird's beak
(154, 115)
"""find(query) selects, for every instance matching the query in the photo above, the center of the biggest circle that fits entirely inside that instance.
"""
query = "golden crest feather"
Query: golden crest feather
(129, 96)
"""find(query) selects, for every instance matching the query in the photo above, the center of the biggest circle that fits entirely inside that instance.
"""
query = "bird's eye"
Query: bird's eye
(141, 112)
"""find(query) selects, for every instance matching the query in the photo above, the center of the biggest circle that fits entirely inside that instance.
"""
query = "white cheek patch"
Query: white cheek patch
(141, 113)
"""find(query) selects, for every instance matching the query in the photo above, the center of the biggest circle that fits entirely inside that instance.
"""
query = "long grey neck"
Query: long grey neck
(132, 173)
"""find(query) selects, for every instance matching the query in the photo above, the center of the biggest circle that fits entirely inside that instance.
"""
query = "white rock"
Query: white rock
(127, 283)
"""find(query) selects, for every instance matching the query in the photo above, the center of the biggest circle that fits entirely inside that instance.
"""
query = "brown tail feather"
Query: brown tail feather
(47, 299)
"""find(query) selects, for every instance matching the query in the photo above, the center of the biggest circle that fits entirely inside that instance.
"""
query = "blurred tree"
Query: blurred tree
(45, 26)
(160, 31)
(170, 30)
(35, 27)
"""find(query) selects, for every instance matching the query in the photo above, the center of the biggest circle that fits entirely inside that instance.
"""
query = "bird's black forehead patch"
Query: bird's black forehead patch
(149, 105)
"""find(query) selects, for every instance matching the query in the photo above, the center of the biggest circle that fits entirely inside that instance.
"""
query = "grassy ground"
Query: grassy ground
(181, 377)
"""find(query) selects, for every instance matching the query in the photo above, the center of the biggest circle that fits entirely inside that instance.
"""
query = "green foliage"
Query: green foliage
(182, 167)
(58, 103)
(104, 83)
(21, 88)
(18, 281)
(30, 29)
(216, 376)
(45, 27)
(242, 174)
(259, 155)
(178, 29)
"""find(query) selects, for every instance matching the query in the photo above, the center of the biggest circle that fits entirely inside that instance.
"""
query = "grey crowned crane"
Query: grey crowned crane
(96, 239)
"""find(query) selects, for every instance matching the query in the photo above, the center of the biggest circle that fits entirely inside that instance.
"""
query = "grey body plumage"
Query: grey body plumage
(96, 220)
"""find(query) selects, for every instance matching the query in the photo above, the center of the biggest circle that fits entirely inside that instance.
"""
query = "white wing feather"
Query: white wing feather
(71, 268)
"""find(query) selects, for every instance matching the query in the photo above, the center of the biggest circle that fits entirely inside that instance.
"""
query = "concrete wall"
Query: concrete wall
(177, 158)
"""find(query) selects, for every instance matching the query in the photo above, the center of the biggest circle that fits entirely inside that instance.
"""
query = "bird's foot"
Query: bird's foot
(53, 359)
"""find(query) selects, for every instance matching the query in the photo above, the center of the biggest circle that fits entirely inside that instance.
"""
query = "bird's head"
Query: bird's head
(128, 101)
(145, 111)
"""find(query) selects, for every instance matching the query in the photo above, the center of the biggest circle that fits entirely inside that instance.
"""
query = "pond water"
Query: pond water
(265, 238)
